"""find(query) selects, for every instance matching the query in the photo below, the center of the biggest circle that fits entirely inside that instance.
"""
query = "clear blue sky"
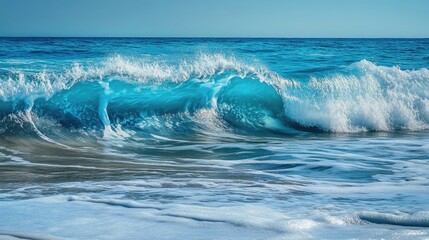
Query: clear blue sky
(215, 18)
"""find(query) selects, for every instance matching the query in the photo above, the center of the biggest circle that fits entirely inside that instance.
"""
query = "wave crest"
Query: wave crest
(219, 93)
(366, 97)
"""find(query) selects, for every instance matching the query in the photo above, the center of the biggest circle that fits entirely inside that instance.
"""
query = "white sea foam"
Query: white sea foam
(112, 218)
(245, 215)
(367, 97)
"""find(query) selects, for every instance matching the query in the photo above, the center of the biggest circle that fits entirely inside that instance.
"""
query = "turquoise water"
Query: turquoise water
(214, 138)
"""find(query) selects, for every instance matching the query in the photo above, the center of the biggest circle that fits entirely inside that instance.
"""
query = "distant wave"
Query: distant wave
(211, 93)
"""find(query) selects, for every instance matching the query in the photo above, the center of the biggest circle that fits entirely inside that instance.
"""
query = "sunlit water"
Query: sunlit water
(214, 139)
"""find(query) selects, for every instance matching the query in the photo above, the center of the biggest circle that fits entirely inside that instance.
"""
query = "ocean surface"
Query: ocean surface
(129, 138)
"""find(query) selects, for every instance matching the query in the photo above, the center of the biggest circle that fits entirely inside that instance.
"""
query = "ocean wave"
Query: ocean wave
(365, 98)
(418, 219)
(212, 94)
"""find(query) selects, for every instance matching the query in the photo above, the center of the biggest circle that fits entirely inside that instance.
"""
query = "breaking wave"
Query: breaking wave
(211, 94)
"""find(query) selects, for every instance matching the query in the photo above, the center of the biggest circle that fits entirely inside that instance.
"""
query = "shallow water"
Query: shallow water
(214, 138)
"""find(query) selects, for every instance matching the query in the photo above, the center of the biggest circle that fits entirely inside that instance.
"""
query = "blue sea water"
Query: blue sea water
(160, 138)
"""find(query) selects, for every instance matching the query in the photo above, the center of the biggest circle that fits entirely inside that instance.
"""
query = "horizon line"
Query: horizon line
(213, 37)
